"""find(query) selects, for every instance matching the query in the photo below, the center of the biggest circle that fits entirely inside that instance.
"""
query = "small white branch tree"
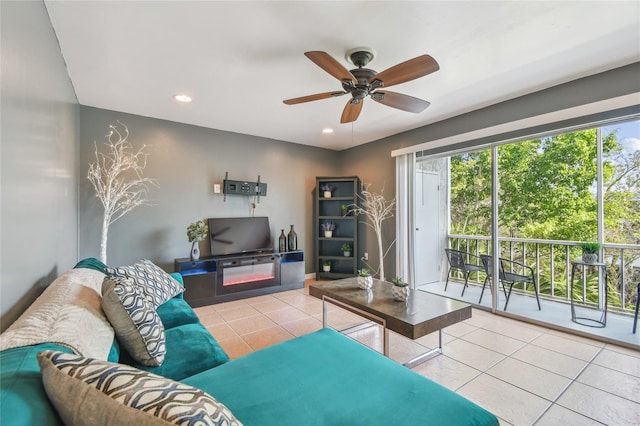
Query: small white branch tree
(117, 179)
(377, 210)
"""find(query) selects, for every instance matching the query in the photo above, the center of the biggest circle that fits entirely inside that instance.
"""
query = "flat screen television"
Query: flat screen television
(239, 235)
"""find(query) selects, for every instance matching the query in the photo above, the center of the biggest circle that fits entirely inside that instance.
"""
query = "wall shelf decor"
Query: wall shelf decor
(334, 208)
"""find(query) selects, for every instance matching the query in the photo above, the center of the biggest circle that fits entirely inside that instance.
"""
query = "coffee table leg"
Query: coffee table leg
(325, 320)
(426, 356)
(385, 341)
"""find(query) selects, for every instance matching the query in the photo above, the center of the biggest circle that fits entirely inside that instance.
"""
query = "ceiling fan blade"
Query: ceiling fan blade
(315, 97)
(400, 101)
(407, 71)
(351, 111)
(330, 65)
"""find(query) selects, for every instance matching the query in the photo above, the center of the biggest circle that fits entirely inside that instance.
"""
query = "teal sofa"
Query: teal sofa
(322, 378)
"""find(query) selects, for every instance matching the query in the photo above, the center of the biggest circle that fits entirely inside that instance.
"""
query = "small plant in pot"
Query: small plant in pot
(365, 280)
(590, 252)
(196, 232)
(400, 290)
(327, 190)
(328, 229)
(346, 249)
(344, 209)
(326, 266)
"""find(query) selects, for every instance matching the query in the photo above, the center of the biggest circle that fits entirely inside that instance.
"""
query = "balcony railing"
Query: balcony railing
(551, 261)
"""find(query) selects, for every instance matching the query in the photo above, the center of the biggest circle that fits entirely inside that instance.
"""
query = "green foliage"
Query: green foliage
(546, 189)
(590, 248)
(397, 281)
(346, 247)
(364, 272)
(197, 231)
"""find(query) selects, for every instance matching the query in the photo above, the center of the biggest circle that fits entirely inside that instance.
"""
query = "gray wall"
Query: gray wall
(187, 161)
(39, 157)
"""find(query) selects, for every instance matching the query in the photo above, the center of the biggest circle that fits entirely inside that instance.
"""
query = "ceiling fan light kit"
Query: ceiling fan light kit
(361, 82)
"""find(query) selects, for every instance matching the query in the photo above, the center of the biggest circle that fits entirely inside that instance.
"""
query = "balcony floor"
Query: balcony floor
(554, 314)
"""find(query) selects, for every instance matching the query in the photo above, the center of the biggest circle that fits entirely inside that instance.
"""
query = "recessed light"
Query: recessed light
(327, 130)
(182, 98)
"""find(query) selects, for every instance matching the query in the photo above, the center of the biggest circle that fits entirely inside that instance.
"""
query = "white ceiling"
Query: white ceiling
(239, 60)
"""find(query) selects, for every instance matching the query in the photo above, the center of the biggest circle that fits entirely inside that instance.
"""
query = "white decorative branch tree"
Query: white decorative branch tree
(377, 210)
(117, 179)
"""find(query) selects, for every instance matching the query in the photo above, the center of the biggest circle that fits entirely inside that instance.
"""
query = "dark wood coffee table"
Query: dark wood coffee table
(421, 314)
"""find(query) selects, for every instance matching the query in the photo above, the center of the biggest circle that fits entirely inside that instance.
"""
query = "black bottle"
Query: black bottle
(292, 239)
(282, 242)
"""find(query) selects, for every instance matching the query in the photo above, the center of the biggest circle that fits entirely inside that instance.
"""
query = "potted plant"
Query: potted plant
(327, 190)
(196, 232)
(328, 229)
(590, 252)
(326, 266)
(346, 249)
(400, 290)
(344, 209)
(365, 280)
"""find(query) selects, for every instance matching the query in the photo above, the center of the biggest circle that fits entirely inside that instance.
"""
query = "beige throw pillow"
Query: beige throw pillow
(85, 391)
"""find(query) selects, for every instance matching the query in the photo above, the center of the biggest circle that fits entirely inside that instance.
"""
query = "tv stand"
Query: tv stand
(224, 278)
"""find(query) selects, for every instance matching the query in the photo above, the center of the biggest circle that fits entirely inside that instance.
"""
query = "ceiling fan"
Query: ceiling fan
(362, 82)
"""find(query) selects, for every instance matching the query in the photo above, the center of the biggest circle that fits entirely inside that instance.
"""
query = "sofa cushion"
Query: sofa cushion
(325, 378)
(91, 392)
(91, 263)
(23, 400)
(190, 350)
(156, 284)
(176, 312)
(68, 313)
(136, 323)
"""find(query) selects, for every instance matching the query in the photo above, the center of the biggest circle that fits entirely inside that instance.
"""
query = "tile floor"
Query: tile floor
(523, 373)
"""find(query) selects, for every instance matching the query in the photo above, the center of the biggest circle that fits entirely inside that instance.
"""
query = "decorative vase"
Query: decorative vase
(365, 283)
(400, 294)
(589, 257)
(292, 240)
(282, 242)
(328, 234)
(195, 251)
(327, 194)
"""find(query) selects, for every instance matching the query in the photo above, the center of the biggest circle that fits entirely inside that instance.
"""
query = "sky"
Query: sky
(628, 134)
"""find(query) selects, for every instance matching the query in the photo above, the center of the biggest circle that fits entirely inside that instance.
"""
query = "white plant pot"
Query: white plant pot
(347, 254)
(326, 268)
(328, 234)
(400, 294)
(327, 194)
(365, 283)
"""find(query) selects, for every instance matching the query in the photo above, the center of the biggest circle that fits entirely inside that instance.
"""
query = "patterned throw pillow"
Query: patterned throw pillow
(134, 320)
(156, 284)
(86, 391)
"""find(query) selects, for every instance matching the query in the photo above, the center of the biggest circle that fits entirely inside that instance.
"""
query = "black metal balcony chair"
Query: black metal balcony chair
(458, 260)
(635, 317)
(507, 276)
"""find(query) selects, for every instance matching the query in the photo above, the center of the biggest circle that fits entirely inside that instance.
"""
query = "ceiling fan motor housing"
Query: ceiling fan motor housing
(363, 87)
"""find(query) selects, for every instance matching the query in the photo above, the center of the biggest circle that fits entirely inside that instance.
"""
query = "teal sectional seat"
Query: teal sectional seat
(325, 378)
(322, 378)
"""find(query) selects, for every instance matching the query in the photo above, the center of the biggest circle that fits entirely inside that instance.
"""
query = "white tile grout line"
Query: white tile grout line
(555, 400)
